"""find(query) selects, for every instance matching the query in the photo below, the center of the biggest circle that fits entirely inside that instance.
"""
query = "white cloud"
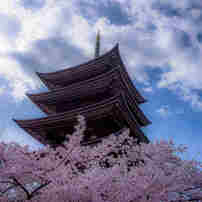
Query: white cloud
(140, 47)
(35, 25)
(2, 90)
(164, 111)
(80, 34)
(148, 89)
(186, 94)
(161, 49)
(191, 97)
(18, 81)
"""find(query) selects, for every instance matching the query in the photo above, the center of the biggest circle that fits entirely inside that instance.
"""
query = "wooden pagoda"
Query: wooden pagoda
(100, 90)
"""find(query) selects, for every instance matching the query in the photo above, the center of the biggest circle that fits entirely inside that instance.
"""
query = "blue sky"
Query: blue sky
(160, 43)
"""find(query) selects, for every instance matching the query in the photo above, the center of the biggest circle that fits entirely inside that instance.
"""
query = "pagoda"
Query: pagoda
(100, 90)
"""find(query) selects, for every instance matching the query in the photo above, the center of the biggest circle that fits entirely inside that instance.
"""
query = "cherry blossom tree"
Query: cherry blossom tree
(116, 169)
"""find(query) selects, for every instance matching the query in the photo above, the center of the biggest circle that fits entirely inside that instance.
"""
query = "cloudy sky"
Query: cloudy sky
(160, 43)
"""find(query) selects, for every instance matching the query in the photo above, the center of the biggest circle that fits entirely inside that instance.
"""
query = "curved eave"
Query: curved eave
(42, 97)
(47, 84)
(141, 99)
(90, 112)
(85, 73)
(58, 116)
(50, 77)
(75, 89)
(100, 84)
(66, 93)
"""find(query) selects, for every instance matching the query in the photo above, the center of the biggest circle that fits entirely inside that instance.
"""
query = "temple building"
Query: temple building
(100, 90)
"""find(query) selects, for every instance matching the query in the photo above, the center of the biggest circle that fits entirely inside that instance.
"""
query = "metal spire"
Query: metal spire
(97, 45)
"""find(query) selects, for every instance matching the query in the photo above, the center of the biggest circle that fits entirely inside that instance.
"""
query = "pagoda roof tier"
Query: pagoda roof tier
(106, 84)
(86, 71)
(115, 106)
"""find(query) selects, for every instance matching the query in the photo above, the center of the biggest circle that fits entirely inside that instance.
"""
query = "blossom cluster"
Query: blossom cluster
(116, 169)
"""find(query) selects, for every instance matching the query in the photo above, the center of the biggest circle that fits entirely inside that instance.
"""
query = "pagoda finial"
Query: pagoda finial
(97, 45)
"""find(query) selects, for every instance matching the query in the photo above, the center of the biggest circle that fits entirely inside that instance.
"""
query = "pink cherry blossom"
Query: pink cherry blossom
(114, 170)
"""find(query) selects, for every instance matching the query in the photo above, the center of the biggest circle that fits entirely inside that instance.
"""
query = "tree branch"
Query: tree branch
(22, 187)
(38, 188)
(6, 190)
